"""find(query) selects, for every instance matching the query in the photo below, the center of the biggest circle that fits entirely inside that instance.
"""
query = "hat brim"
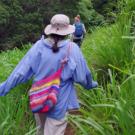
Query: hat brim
(62, 31)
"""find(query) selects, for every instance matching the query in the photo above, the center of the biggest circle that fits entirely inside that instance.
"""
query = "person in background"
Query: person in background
(44, 59)
(80, 31)
(78, 16)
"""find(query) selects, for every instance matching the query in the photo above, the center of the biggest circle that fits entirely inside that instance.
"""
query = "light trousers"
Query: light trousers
(49, 126)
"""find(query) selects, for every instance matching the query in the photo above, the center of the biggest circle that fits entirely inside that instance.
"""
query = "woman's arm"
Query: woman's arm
(82, 74)
(23, 71)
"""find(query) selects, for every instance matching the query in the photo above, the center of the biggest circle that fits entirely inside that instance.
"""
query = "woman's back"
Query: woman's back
(44, 59)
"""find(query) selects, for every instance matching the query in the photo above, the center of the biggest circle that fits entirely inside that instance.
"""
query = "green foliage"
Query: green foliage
(127, 5)
(112, 45)
(109, 109)
(24, 21)
(107, 8)
(89, 15)
(4, 15)
(108, 47)
(4, 20)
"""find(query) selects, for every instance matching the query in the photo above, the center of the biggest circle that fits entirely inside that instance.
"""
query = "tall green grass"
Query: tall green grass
(15, 117)
(107, 45)
(109, 111)
(112, 46)
(110, 108)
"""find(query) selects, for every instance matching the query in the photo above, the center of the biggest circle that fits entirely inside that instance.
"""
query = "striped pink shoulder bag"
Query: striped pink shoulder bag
(43, 93)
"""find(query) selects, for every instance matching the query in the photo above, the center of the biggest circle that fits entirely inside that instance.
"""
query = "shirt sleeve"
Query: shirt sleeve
(23, 71)
(82, 74)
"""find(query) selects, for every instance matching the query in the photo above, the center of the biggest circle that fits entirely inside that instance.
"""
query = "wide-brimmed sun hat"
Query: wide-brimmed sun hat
(60, 25)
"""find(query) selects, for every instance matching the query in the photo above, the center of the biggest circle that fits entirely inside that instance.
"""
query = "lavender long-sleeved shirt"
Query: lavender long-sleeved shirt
(40, 61)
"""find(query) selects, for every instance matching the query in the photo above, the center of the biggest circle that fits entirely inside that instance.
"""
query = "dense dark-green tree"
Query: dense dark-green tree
(106, 8)
(23, 21)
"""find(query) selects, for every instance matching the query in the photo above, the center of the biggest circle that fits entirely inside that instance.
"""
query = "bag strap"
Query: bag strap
(64, 61)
